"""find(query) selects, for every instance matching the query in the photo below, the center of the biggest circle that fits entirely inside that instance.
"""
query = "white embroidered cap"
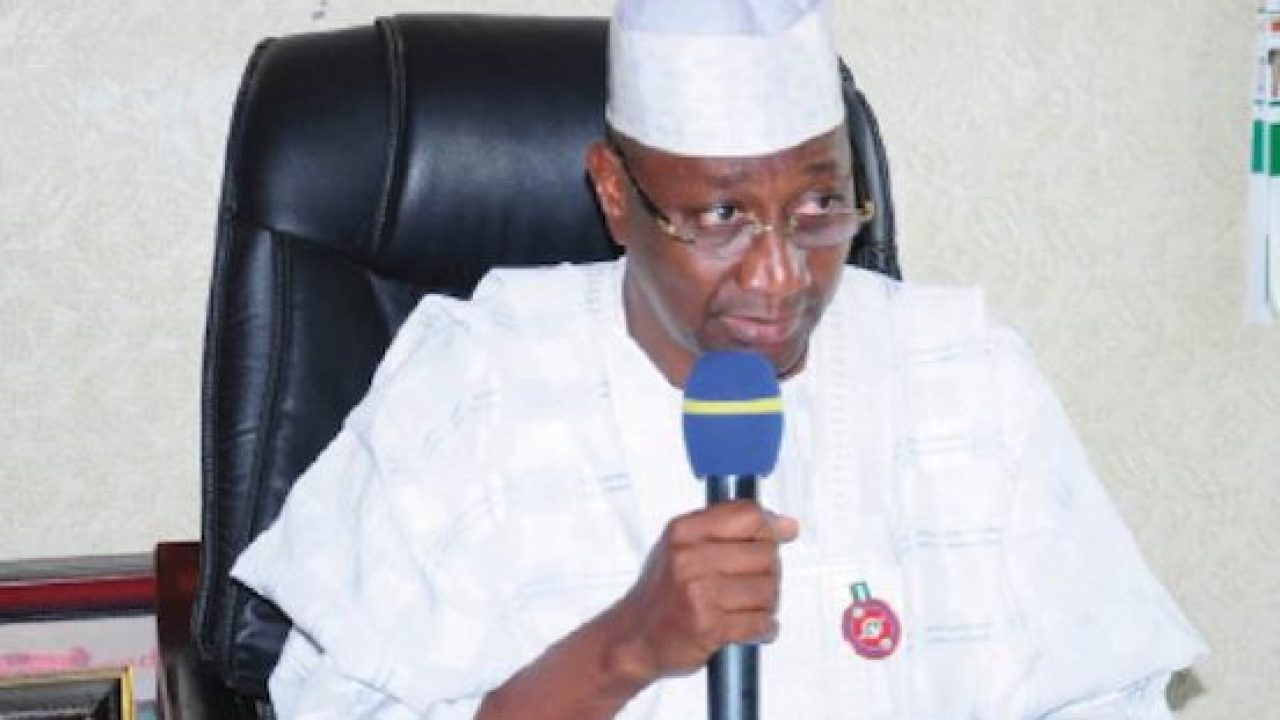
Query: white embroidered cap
(719, 78)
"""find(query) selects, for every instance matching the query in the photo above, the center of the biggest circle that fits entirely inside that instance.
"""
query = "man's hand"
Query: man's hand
(712, 579)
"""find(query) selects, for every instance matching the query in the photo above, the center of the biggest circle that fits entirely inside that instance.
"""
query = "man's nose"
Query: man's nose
(773, 265)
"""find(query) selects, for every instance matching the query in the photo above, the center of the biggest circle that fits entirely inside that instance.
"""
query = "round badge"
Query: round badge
(870, 625)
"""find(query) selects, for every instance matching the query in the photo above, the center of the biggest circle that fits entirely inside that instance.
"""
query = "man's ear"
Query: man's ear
(606, 178)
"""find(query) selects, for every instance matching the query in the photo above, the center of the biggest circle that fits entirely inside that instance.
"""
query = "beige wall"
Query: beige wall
(1083, 160)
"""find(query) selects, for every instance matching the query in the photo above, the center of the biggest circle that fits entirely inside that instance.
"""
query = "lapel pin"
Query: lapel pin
(870, 625)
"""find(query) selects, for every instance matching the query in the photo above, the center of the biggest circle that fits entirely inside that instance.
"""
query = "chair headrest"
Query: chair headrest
(431, 148)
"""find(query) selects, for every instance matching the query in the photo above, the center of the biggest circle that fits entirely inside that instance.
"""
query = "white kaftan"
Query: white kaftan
(517, 455)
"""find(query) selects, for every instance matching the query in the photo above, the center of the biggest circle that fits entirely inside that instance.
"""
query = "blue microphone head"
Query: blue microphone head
(732, 415)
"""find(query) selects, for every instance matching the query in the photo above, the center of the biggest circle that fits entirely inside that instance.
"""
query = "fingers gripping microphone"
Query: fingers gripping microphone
(732, 430)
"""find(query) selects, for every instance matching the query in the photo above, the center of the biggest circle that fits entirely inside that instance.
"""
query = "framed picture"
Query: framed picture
(76, 619)
(95, 695)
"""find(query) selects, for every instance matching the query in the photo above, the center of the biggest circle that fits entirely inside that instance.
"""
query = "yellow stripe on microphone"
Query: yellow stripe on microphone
(757, 406)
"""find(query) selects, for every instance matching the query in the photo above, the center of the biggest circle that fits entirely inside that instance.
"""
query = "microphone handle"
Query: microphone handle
(732, 682)
(733, 671)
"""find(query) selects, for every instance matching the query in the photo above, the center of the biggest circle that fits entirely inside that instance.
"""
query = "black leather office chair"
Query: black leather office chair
(364, 168)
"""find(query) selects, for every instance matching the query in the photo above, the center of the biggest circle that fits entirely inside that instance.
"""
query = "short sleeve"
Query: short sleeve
(1100, 630)
(378, 556)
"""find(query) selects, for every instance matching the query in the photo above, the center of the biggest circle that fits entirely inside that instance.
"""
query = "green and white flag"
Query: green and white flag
(1262, 255)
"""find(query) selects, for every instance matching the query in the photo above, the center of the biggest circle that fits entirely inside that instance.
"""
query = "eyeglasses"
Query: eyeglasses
(725, 231)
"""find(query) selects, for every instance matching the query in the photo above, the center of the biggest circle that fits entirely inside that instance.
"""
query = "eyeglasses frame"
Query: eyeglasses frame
(863, 213)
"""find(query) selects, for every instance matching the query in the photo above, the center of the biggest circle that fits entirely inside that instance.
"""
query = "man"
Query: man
(505, 526)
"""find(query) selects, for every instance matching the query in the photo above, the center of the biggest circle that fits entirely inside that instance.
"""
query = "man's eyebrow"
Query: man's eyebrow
(727, 179)
(822, 167)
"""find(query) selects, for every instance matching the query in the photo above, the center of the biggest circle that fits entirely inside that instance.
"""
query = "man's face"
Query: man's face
(681, 303)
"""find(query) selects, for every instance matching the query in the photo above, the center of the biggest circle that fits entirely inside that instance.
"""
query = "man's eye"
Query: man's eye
(720, 215)
(825, 204)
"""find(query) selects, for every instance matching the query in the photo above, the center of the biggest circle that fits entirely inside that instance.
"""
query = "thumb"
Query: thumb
(785, 527)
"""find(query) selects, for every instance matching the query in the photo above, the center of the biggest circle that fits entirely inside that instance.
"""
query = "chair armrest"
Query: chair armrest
(189, 688)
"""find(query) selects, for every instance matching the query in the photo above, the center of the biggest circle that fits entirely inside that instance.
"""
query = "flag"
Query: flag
(1262, 253)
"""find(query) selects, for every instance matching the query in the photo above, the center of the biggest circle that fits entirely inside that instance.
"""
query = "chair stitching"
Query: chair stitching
(281, 330)
(212, 565)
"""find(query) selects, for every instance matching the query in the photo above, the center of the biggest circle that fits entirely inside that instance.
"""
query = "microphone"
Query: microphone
(732, 430)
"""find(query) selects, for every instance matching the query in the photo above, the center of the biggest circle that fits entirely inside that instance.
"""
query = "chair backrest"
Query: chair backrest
(364, 168)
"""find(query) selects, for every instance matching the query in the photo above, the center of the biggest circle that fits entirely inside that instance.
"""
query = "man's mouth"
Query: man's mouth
(762, 330)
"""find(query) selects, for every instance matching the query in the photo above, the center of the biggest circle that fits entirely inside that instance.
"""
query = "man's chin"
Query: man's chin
(787, 359)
